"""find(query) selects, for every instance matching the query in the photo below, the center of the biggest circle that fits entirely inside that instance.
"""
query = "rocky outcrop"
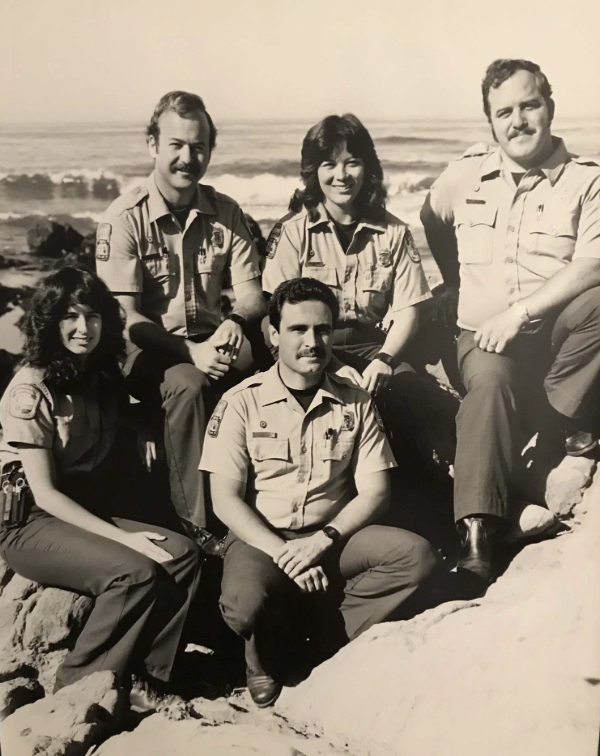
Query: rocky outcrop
(67, 723)
(517, 672)
(50, 239)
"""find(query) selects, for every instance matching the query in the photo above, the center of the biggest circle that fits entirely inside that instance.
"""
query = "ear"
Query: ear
(551, 108)
(273, 335)
(152, 147)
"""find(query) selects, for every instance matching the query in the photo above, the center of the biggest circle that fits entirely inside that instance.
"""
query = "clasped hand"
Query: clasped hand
(298, 559)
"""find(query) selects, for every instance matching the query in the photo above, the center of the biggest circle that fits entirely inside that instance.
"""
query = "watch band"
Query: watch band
(384, 357)
(238, 319)
(332, 533)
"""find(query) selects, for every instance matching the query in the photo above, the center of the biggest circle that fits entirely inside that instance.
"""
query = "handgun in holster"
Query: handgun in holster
(15, 495)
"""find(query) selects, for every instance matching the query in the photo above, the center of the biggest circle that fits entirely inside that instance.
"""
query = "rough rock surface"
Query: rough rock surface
(516, 672)
(67, 723)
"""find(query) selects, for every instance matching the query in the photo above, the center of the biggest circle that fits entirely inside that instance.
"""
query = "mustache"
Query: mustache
(194, 169)
(316, 352)
(520, 132)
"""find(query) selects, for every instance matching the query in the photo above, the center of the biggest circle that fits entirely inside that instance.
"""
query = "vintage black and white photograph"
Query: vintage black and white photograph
(299, 378)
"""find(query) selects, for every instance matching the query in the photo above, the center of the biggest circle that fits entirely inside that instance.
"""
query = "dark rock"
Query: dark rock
(16, 693)
(50, 239)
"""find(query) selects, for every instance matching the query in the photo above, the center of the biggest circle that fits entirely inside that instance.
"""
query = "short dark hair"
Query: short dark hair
(502, 69)
(186, 105)
(41, 327)
(298, 290)
(320, 143)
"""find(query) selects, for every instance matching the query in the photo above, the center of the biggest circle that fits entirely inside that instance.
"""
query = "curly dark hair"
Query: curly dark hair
(502, 69)
(297, 290)
(320, 144)
(186, 105)
(41, 326)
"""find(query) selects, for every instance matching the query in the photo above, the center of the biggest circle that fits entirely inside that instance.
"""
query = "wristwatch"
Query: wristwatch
(238, 319)
(386, 358)
(332, 533)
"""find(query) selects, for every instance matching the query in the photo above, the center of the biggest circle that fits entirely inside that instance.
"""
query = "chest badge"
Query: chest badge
(217, 239)
(349, 421)
(385, 258)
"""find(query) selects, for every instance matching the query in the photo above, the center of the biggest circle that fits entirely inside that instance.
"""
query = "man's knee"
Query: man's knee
(490, 386)
(184, 382)
(245, 599)
(182, 548)
(414, 555)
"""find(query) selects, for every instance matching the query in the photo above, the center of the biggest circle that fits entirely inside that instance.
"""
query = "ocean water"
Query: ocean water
(73, 171)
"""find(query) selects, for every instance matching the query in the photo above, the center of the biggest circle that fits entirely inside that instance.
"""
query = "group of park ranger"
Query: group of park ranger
(294, 459)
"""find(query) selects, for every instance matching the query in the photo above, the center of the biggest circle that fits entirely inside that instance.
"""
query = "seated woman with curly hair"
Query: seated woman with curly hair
(59, 527)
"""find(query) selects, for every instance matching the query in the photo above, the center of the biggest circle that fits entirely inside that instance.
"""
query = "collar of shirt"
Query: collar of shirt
(491, 165)
(274, 390)
(323, 217)
(158, 207)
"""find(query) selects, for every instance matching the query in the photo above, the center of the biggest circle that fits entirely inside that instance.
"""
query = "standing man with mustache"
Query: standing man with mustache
(163, 249)
(516, 234)
(298, 465)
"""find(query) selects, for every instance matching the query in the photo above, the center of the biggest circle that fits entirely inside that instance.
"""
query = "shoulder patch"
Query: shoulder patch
(481, 148)
(215, 421)
(380, 424)
(24, 401)
(411, 247)
(273, 240)
(103, 242)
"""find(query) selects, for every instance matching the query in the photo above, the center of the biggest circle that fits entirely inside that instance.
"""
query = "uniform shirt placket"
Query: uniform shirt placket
(349, 284)
(303, 475)
(513, 233)
(188, 263)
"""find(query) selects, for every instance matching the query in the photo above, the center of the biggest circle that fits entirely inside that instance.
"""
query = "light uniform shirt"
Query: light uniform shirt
(511, 239)
(381, 269)
(79, 428)
(299, 467)
(142, 249)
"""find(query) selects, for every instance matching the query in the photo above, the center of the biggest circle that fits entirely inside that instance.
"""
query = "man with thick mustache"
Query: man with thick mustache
(298, 465)
(515, 231)
(164, 249)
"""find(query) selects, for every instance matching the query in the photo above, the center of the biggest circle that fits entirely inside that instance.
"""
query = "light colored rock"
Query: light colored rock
(16, 693)
(9, 639)
(54, 618)
(19, 589)
(67, 723)
(513, 673)
(566, 484)
(5, 574)
(10, 669)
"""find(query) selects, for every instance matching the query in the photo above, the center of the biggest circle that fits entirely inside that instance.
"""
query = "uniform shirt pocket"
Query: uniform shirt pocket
(336, 457)
(475, 225)
(554, 234)
(206, 262)
(378, 280)
(270, 456)
(326, 274)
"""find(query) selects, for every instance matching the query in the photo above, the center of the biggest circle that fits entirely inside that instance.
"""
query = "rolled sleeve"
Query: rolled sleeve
(410, 283)
(283, 264)
(118, 265)
(245, 260)
(225, 450)
(373, 452)
(588, 232)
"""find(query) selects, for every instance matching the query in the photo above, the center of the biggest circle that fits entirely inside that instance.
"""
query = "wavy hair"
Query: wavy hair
(502, 69)
(186, 105)
(296, 290)
(320, 144)
(44, 349)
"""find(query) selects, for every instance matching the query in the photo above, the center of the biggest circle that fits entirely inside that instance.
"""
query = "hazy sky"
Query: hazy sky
(82, 60)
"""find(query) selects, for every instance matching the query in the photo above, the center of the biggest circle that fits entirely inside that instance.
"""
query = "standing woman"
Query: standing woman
(59, 415)
(339, 232)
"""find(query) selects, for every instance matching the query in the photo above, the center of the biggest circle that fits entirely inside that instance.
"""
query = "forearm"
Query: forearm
(148, 335)
(246, 524)
(404, 327)
(361, 511)
(578, 276)
(251, 307)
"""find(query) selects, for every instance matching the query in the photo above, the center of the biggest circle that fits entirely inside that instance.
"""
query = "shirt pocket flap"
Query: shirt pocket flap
(326, 274)
(555, 224)
(378, 279)
(338, 451)
(269, 448)
(476, 215)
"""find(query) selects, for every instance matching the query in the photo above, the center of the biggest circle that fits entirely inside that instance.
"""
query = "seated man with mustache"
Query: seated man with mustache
(515, 231)
(299, 470)
(164, 250)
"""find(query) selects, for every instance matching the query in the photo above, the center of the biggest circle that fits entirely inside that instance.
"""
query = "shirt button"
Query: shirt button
(303, 449)
(188, 296)
(512, 229)
(296, 507)
(344, 455)
(347, 307)
(300, 478)
(510, 259)
(511, 291)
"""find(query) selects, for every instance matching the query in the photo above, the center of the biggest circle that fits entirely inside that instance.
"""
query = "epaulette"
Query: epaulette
(129, 199)
(580, 160)
(250, 382)
(477, 150)
(347, 383)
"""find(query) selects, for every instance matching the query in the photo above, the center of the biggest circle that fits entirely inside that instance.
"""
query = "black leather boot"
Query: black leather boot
(476, 551)
(263, 689)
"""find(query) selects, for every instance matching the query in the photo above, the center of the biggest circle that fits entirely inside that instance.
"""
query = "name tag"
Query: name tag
(314, 264)
(475, 202)
(264, 434)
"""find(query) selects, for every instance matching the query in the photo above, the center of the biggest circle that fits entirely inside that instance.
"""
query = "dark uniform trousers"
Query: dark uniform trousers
(563, 357)
(140, 606)
(372, 575)
(185, 397)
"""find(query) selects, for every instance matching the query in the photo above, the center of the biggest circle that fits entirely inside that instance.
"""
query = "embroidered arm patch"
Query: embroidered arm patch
(411, 247)
(380, 424)
(103, 242)
(215, 421)
(273, 240)
(24, 401)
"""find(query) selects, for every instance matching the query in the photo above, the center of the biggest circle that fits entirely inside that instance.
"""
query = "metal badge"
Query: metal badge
(349, 421)
(217, 237)
(385, 258)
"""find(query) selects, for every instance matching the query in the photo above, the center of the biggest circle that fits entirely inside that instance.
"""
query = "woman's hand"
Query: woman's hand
(376, 376)
(143, 542)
